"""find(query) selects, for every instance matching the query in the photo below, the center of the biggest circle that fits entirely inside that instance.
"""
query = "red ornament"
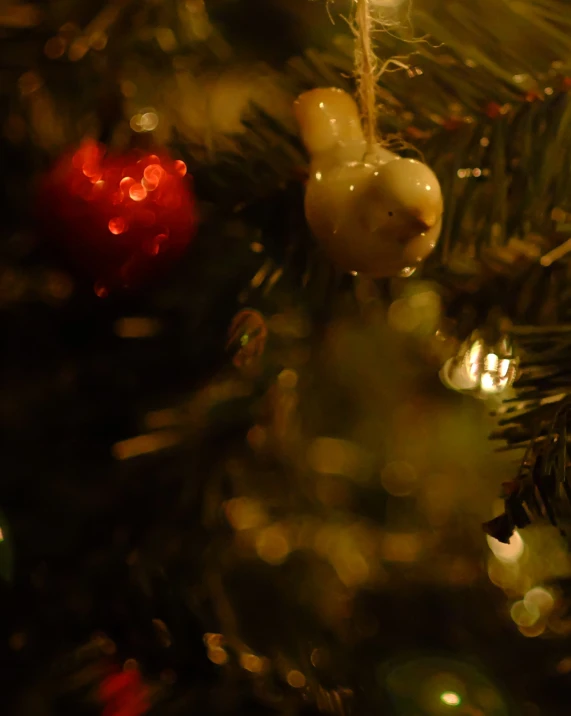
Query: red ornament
(124, 694)
(122, 218)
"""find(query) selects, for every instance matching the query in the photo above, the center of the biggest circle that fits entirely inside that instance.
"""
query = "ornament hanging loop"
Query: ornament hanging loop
(366, 70)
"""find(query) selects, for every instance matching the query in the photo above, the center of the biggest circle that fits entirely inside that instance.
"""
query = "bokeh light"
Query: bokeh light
(510, 552)
(450, 698)
(296, 679)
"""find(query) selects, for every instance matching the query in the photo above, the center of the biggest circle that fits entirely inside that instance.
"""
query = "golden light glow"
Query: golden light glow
(540, 599)
(149, 122)
(252, 663)
(218, 656)
(296, 679)
(244, 514)
(510, 552)
(450, 698)
(288, 379)
(213, 640)
(332, 456)
(524, 615)
(55, 47)
(564, 666)
(145, 444)
(272, 545)
(136, 327)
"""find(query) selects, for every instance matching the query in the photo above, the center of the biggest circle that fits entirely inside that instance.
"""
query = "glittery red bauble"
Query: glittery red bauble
(121, 218)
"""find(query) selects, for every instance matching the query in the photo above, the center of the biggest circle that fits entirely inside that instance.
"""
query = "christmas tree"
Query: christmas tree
(232, 300)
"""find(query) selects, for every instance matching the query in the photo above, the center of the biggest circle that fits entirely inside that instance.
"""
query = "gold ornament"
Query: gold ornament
(480, 368)
(372, 211)
(247, 338)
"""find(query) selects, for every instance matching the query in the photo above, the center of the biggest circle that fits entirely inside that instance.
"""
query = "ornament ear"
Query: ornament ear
(327, 118)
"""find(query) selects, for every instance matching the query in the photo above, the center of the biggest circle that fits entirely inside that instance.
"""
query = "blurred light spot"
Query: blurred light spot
(287, 379)
(218, 656)
(58, 285)
(524, 615)
(213, 640)
(69, 29)
(252, 663)
(180, 167)
(55, 47)
(166, 39)
(106, 645)
(153, 247)
(272, 545)
(78, 49)
(244, 514)
(136, 327)
(510, 552)
(256, 247)
(399, 479)
(162, 632)
(20, 16)
(145, 444)
(539, 598)
(126, 183)
(128, 88)
(484, 142)
(331, 456)
(319, 658)
(158, 419)
(98, 41)
(135, 123)
(296, 679)
(149, 122)
(450, 698)
(564, 666)
(256, 437)
(152, 176)
(1, 535)
(402, 316)
(137, 192)
(118, 225)
(100, 289)
(534, 630)
(351, 566)
(29, 82)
